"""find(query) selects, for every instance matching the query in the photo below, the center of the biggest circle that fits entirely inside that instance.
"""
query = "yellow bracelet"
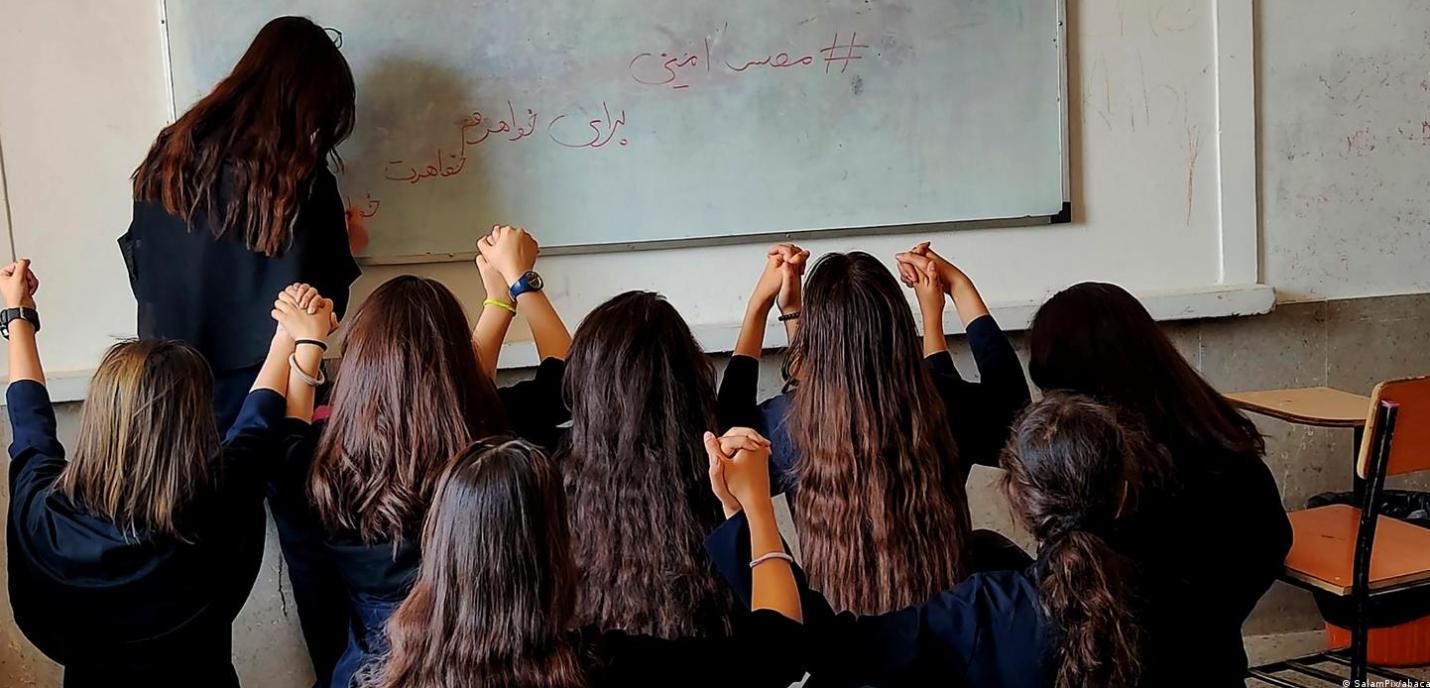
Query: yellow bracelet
(500, 304)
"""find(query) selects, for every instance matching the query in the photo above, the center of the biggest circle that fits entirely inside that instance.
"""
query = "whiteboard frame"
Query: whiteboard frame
(1063, 216)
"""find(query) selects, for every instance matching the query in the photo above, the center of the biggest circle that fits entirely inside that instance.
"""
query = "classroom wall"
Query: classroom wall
(1344, 101)
(81, 99)
(1342, 177)
(83, 93)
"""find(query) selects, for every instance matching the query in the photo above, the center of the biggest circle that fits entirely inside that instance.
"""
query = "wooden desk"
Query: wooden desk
(1319, 406)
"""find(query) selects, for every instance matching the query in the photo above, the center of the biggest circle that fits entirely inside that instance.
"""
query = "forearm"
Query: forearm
(487, 338)
(301, 395)
(552, 338)
(934, 339)
(967, 299)
(791, 326)
(773, 583)
(751, 341)
(24, 353)
(274, 373)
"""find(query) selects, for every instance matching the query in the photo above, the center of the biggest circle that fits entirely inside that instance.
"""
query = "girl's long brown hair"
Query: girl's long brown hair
(495, 593)
(410, 394)
(146, 438)
(1073, 467)
(880, 507)
(1097, 339)
(642, 393)
(269, 126)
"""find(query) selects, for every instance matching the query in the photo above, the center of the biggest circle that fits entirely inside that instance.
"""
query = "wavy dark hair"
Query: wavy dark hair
(641, 393)
(881, 509)
(409, 395)
(494, 596)
(1097, 339)
(145, 440)
(265, 130)
(1074, 467)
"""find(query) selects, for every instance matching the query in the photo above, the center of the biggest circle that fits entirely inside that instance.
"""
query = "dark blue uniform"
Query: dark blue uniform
(989, 630)
(134, 609)
(376, 577)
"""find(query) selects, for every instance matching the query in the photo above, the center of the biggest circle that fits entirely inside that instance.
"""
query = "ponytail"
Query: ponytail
(1086, 592)
(1074, 467)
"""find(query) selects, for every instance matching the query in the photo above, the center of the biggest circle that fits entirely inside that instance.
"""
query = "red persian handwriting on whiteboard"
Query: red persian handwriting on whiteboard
(666, 69)
(474, 130)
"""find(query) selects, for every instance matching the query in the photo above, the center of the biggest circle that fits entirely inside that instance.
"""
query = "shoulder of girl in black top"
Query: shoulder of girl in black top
(1205, 554)
(987, 630)
(84, 590)
(535, 408)
(980, 414)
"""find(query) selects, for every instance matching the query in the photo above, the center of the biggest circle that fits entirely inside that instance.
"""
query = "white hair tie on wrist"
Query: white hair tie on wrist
(769, 557)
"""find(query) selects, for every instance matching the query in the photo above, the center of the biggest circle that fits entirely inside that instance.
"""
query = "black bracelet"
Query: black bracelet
(315, 342)
(792, 315)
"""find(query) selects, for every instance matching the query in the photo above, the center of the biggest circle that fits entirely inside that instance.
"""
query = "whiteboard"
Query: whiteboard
(617, 124)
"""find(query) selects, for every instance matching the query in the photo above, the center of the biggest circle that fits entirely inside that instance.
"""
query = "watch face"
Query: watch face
(533, 281)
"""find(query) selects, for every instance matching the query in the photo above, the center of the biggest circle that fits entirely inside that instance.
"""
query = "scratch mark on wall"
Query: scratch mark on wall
(1194, 150)
(1146, 98)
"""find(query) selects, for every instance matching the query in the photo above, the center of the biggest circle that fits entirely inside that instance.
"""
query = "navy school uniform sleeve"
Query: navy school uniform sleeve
(736, 405)
(982, 413)
(296, 443)
(250, 449)
(36, 457)
(535, 408)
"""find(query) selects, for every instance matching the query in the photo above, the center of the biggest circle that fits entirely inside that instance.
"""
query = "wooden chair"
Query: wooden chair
(1357, 552)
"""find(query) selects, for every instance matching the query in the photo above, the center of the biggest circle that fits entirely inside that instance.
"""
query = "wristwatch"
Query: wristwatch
(10, 315)
(530, 281)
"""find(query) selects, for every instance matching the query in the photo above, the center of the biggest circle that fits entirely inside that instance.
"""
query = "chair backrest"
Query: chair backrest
(1410, 445)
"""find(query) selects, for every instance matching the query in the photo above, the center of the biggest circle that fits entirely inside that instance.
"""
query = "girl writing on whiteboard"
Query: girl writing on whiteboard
(494, 601)
(875, 434)
(126, 562)
(411, 392)
(1210, 551)
(641, 392)
(234, 201)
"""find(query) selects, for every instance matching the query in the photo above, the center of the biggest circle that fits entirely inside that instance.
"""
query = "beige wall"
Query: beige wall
(79, 101)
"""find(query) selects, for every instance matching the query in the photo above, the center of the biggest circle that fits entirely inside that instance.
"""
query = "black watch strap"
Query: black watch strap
(10, 315)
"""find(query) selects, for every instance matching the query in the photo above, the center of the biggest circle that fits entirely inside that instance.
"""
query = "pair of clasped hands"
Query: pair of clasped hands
(931, 276)
(740, 471)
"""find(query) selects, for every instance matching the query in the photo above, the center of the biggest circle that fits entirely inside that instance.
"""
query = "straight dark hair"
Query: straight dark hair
(269, 125)
(409, 395)
(145, 440)
(493, 600)
(1073, 468)
(881, 509)
(1097, 339)
(641, 393)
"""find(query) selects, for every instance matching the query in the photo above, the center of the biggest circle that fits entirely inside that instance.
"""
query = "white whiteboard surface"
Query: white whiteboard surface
(609, 123)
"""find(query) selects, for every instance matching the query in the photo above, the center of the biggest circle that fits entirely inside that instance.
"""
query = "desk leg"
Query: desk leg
(1357, 483)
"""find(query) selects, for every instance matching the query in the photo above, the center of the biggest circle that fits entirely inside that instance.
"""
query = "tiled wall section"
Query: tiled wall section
(1348, 344)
